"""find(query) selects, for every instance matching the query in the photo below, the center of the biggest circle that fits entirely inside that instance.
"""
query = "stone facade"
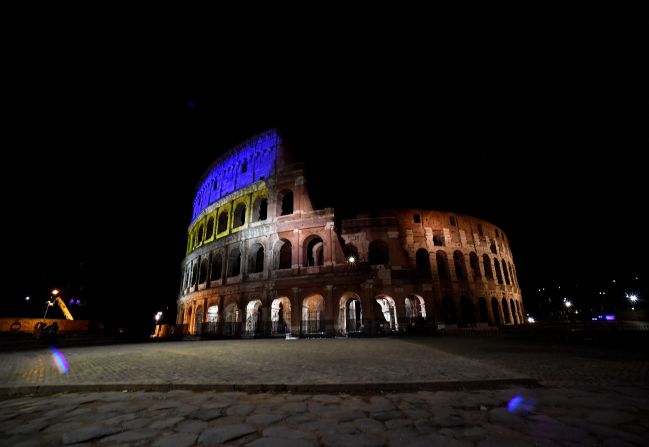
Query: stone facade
(262, 262)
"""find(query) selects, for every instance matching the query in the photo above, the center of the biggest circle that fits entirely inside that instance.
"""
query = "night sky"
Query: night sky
(100, 171)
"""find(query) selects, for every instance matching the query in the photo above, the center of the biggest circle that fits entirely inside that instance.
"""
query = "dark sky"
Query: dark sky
(100, 166)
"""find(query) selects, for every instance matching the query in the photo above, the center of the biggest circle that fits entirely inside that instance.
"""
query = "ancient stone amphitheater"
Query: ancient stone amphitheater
(262, 262)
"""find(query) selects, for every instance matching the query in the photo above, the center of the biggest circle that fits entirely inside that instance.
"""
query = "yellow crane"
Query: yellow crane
(61, 304)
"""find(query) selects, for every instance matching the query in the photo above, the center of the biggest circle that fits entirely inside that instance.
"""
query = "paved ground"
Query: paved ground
(590, 396)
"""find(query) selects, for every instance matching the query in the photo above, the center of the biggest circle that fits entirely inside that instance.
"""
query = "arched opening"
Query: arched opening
(286, 203)
(505, 271)
(231, 320)
(253, 317)
(217, 267)
(389, 311)
(188, 319)
(285, 258)
(484, 314)
(234, 262)
(442, 265)
(468, 314)
(512, 306)
(378, 253)
(239, 217)
(280, 315)
(511, 273)
(505, 310)
(495, 308)
(195, 274)
(200, 233)
(256, 258)
(198, 321)
(260, 209)
(314, 252)
(212, 320)
(486, 261)
(350, 315)
(415, 310)
(460, 266)
(312, 315)
(209, 232)
(422, 260)
(448, 310)
(202, 277)
(499, 276)
(475, 264)
(492, 247)
(223, 222)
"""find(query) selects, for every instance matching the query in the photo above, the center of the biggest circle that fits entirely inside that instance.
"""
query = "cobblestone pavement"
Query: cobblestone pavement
(308, 361)
(590, 396)
(508, 417)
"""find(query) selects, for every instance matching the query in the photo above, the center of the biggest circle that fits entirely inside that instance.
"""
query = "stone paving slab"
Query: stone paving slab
(325, 365)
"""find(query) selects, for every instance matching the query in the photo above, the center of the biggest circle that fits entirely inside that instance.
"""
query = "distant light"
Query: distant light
(351, 259)
(609, 317)
(55, 291)
(79, 302)
(633, 298)
(531, 320)
(71, 301)
(568, 303)
(26, 298)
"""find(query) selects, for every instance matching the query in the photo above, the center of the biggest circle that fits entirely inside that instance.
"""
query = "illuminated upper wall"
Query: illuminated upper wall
(244, 164)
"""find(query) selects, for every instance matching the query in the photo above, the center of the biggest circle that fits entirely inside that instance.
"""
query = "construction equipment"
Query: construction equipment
(63, 307)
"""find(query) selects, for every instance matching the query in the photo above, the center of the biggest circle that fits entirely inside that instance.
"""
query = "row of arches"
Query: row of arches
(499, 270)
(254, 319)
(218, 224)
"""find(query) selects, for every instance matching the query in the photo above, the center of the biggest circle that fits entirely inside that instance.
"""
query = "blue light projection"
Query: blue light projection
(244, 164)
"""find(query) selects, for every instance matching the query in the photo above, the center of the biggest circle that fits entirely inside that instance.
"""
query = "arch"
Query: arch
(389, 311)
(512, 306)
(260, 209)
(234, 262)
(231, 319)
(223, 222)
(448, 310)
(198, 321)
(202, 275)
(468, 314)
(442, 265)
(285, 257)
(495, 308)
(378, 252)
(486, 262)
(422, 261)
(505, 271)
(239, 217)
(415, 308)
(511, 273)
(200, 234)
(253, 317)
(350, 313)
(475, 264)
(493, 249)
(194, 273)
(209, 232)
(213, 314)
(499, 276)
(285, 202)
(483, 312)
(280, 315)
(460, 266)
(188, 318)
(256, 258)
(506, 311)
(217, 266)
(314, 251)
(312, 314)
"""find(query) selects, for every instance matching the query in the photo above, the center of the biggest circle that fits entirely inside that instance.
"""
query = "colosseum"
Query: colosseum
(262, 262)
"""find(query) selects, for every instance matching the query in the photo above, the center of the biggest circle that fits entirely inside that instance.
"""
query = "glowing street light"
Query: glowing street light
(633, 298)
(157, 317)
(568, 304)
(351, 259)
(26, 298)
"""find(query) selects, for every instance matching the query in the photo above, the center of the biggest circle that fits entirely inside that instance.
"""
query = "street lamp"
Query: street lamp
(157, 317)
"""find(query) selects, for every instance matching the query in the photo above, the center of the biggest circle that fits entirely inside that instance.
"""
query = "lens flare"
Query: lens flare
(514, 404)
(519, 405)
(60, 361)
